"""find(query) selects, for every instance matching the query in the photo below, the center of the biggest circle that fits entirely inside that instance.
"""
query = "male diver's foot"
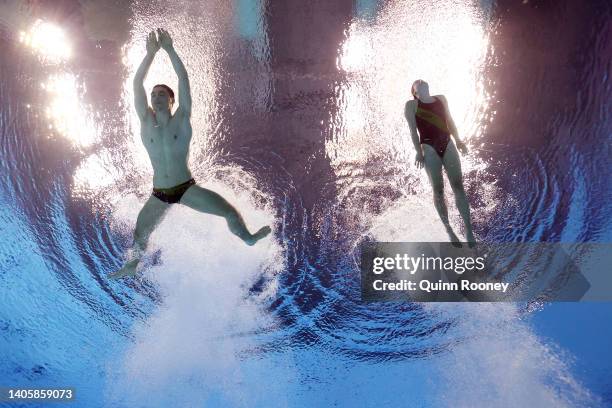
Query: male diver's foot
(262, 233)
(129, 269)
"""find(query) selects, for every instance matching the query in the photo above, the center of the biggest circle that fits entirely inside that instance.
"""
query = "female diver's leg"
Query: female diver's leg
(433, 166)
(207, 201)
(452, 165)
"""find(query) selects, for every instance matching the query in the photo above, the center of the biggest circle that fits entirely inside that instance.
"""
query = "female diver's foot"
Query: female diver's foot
(471, 240)
(262, 233)
(454, 239)
(129, 269)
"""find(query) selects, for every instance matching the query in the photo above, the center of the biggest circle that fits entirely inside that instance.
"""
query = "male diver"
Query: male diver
(434, 147)
(166, 137)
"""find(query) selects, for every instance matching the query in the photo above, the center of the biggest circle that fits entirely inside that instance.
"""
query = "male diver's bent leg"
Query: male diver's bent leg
(452, 165)
(209, 202)
(149, 217)
(433, 166)
(151, 214)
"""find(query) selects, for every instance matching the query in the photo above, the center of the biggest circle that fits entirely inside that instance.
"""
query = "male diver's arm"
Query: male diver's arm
(184, 88)
(140, 96)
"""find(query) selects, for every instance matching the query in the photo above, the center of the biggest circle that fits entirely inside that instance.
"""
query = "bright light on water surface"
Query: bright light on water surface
(48, 41)
(70, 117)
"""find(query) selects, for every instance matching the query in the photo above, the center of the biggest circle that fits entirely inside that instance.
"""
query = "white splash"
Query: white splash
(196, 342)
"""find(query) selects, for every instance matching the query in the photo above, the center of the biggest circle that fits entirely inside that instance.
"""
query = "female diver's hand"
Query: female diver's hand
(462, 147)
(419, 160)
(152, 43)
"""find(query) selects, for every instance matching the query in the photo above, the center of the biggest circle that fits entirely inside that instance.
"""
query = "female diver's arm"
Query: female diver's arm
(451, 126)
(409, 113)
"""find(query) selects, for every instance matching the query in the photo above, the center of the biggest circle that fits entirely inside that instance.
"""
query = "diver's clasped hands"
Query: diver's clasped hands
(152, 44)
(165, 41)
(160, 40)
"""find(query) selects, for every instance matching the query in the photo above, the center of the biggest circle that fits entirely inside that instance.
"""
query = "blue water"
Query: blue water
(298, 122)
